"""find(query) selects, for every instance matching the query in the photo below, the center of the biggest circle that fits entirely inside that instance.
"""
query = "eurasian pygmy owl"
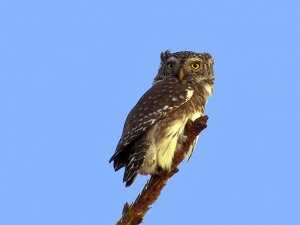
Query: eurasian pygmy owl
(154, 128)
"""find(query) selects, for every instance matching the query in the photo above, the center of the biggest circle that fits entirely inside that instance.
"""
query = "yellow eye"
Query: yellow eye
(170, 66)
(195, 66)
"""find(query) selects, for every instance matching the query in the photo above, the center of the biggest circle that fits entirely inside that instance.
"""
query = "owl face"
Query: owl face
(185, 65)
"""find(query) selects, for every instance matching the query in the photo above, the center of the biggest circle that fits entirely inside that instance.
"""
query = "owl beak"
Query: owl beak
(181, 74)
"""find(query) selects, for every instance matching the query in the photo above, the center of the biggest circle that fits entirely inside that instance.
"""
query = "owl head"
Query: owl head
(185, 65)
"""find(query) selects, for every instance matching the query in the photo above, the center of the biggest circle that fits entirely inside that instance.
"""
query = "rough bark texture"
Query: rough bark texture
(133, 213)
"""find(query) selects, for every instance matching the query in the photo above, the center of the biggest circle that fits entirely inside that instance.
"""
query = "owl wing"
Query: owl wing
(158, 102)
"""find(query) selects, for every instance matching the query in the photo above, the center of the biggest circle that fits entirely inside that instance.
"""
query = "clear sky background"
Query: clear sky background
(70, 71)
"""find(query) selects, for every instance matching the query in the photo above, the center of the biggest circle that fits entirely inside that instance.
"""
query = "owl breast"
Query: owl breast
(165, 138)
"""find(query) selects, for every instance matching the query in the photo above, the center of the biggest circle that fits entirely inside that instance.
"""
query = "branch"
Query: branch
(133, 214)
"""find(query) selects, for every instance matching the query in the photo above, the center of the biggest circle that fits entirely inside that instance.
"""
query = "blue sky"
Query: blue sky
(70, 71)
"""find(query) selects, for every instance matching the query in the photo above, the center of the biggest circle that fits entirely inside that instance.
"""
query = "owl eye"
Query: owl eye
(195, 66)
(170, 66)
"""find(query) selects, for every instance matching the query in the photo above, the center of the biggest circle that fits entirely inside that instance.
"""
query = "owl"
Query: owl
(154, 128)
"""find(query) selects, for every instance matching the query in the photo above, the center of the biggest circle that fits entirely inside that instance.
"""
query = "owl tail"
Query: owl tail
(118, 161)
(135, 161)
(132, 158)
(129, 176)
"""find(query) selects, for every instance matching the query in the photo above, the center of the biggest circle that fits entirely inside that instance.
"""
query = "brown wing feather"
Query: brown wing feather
(160, 100)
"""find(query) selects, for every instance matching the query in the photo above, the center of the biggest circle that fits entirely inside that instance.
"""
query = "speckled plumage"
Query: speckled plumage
(154, 128)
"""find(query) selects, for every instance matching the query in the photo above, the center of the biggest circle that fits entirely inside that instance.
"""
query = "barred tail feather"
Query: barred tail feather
(119, 159)
(135, 161)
